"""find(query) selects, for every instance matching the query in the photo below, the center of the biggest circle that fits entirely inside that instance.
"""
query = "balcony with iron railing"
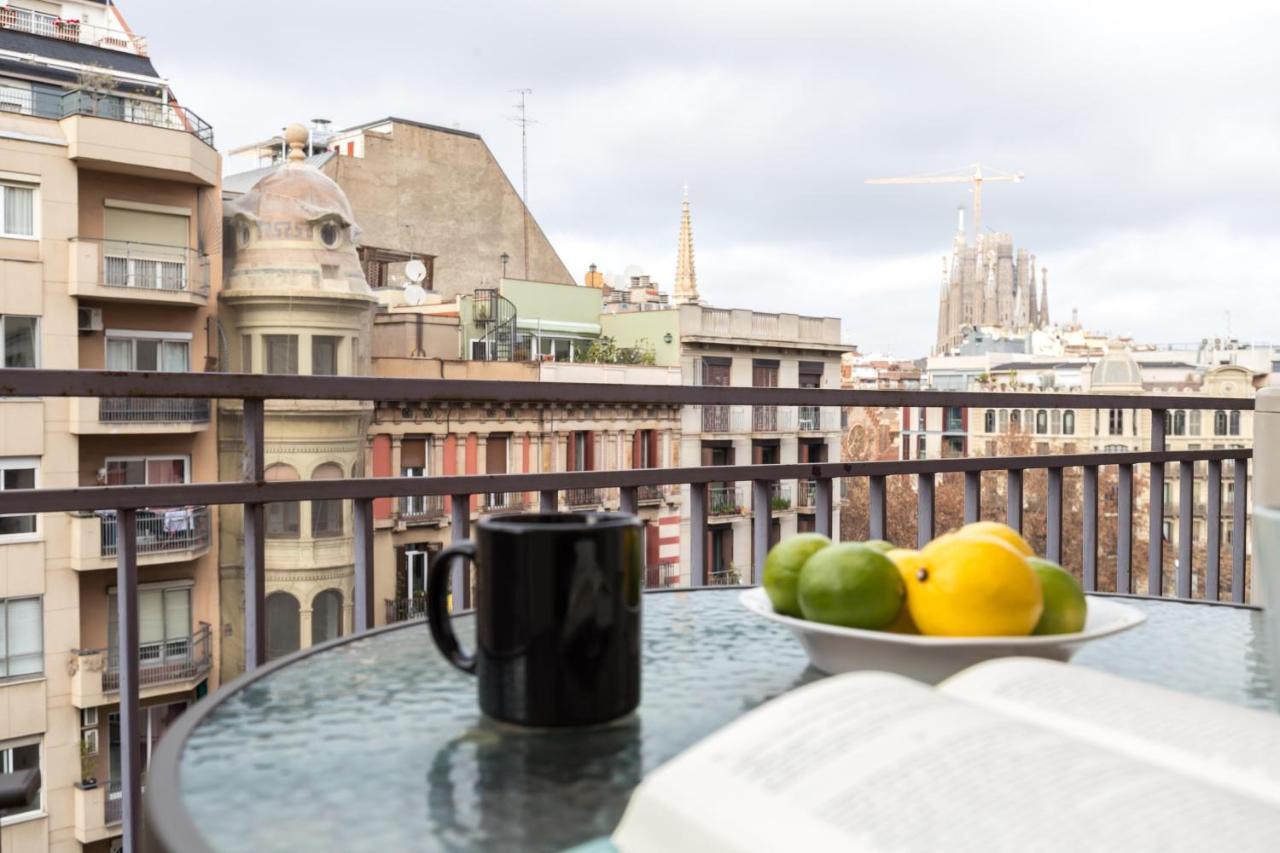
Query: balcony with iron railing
(1127, 508)
(139, 415)
(139, 272)
(806, 494)
(420, 509)
(780, 497)
(649, 495)
(404, 608)
(810, 419)
(583, 498)
(161, 535)
(71, 30)
(164, 666)
(662, 575)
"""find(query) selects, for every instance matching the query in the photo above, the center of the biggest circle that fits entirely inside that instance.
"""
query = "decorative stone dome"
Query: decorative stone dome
(295, 231)
(1117, 370)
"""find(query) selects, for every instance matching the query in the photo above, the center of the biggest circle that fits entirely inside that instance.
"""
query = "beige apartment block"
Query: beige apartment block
(109, 258)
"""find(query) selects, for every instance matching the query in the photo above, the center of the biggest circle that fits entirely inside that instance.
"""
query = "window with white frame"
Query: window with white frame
(18, 473)
(21, 754)
(17, 210)
(21, 637)
(167, 352)
(164, 623)
(19, 341)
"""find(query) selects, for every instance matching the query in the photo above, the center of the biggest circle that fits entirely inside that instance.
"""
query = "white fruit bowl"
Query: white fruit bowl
(834, 649)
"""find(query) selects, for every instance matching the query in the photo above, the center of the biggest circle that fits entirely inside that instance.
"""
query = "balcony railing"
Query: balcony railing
(715, 418)
(181, 528)
(724, 577)
(150, 113)
(153, 410)
(807, 493)
(70, 29)
(780, 496)
(1215, 572)
(503, 501)
(662, 575)
(724, 499)
(151, 266)
(113, 802)
(419, 508)
(162, 662)
(581, 498)
(650, 494)
(764, 418)
(404, 609)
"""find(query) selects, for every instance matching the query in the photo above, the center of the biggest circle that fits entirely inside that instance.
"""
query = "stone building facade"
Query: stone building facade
(295, 301)
(990, 285)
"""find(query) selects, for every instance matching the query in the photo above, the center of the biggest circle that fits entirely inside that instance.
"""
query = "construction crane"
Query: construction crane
(971, 174)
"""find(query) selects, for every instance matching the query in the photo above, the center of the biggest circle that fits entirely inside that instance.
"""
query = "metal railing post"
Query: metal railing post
(877, 509)
(255, 552)
(1124, 529)
(1155, 516)
(1053, 511)
(130, 712)
(1213, 529)
(697, 534)
(1240, 529)
(362, 518)
(924, 509)
(761, 521)
(1089, 534)
(548, 500)
(1013, 507)
(628, 500)
(822, 505)
(1186, 511)
(972, 496)
(460, 522)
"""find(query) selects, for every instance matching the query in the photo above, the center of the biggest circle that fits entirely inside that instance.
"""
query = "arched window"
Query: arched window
(1004, 420)
(1055, 422)
(282, 518)
(1234, 429)
(1069, 422)
(1015, 420)
(326, 516)
(1194, 422)
(282, 624)
(1219, 422)
(326, 616)
(1180, 422)
(1042, 422)
(989, 421)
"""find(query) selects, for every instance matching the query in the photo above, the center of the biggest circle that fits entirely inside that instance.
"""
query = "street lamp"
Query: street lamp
(504, 257)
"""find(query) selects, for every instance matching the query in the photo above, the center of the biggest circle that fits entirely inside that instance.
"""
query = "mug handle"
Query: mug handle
(438, 605)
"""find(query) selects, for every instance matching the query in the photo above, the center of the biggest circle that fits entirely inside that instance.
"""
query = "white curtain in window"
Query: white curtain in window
(177, 613)
(19, 211)
(119, 354)
(21, 640)
(174, 357)
(150, 616)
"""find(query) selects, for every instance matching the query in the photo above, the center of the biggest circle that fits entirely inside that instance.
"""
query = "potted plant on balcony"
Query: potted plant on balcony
(88, 762)
(781, 503)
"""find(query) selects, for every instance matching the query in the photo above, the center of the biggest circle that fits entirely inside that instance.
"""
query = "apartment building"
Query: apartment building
(740, 347)
(109, 258)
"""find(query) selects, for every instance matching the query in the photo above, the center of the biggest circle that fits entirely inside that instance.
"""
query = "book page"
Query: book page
(1237, 748)
(876, 762)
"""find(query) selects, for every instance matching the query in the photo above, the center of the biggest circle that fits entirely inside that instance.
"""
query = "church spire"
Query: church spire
(1044, 296)
(686, 288)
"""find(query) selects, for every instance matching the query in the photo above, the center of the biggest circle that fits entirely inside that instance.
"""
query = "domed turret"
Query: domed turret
(1117, 372)
(295, 231)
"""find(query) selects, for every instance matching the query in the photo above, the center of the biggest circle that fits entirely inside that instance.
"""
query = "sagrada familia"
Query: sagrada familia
(991, 286)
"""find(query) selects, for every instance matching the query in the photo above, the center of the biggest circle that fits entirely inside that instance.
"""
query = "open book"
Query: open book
(1014, 754)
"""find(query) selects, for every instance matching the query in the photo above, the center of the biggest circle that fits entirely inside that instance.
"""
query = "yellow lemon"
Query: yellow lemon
(1003, 532)
(974, 586)
(908, 563)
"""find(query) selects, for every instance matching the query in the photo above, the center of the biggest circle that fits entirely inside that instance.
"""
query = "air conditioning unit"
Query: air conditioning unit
(89, 319)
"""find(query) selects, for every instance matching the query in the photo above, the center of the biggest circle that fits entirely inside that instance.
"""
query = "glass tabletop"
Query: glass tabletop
(378, 744)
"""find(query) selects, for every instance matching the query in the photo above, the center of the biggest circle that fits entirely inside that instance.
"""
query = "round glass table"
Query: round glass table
(376, 743)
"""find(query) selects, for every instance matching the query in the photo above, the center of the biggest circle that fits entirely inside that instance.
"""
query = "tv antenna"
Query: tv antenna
(524, 121)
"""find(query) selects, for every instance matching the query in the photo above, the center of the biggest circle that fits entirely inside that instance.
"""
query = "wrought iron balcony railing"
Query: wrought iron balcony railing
(579, 498)
(406, 608)
(1215, 572)
(724, 499)
(806, 493)
(650, 494)
(160, 662)
(182, 528)
(153, 410)
(419, 508)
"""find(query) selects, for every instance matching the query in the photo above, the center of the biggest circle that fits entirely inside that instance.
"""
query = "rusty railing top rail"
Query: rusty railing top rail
(16, 382)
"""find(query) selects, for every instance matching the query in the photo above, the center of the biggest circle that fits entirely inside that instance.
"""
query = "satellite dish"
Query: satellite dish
(414, 294)
(415, 270)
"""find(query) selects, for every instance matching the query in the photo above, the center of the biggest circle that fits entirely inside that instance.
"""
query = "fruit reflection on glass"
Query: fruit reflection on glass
(982, 580)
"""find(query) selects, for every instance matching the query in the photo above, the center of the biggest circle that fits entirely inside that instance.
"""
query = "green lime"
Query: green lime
(851, 585)
(1064, 604)
(782, 569)
(882, 545)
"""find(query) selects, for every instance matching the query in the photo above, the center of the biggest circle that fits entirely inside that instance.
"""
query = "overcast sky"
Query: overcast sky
(1149, 135)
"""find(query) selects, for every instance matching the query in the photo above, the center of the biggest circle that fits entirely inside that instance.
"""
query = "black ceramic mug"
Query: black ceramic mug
(557, 616)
